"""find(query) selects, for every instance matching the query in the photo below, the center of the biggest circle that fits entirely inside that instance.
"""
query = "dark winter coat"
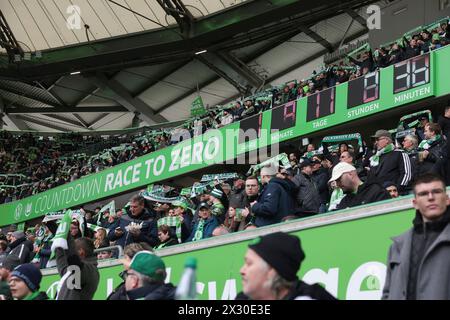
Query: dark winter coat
(148, 234)
(153, 292)
(22, 248)
(308, 198)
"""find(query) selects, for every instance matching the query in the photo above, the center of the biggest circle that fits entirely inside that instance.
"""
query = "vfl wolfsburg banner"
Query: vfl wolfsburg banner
(157, 198)
(282, 157)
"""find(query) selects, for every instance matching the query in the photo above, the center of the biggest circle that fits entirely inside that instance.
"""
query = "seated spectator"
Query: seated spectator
(25, 282)
(104, 254)
(101, 239)
(356, 192)
(391, 187)
(205, 225)
(139, 226)
(276, 200)
(145, 278)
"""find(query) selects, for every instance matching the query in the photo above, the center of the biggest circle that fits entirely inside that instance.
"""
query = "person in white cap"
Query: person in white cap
(356, 192)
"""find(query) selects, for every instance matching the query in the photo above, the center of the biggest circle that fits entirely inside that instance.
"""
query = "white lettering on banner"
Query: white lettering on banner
(320, 123)
(161, 160)
(406, 97)
(375, 274)
(119, 178)
(185, 156)
(363, 110)
(229, 292)
(197, 153)
(174, 164)
(329, 279)
(212, 294)
(277, 136)
(82, 191)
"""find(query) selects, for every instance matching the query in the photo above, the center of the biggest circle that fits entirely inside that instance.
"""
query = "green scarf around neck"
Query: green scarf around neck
(375, 159)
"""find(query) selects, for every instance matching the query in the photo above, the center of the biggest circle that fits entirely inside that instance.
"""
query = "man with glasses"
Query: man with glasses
(356, 192)
(419, 260)
(389, 163)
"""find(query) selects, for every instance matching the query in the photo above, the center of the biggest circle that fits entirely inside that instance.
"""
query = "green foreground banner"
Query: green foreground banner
(348, 258)
(407, 82)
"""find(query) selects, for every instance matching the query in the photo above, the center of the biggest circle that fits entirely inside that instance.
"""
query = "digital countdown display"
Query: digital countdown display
(284, 117)
(412, 73)
(321, 104)
(363, 90)
(250, 128)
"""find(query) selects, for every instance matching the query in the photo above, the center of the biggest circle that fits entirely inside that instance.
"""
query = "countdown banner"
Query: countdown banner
(407, 82)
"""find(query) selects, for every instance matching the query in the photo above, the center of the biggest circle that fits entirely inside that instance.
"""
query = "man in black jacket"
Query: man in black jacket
(432, 150)
(444, 121)
(270, 271)
(356, 192)
(388, 163)
(308, 197)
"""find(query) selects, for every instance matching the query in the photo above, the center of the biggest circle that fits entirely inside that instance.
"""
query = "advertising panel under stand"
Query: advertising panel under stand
(347, 258)
(407, 82)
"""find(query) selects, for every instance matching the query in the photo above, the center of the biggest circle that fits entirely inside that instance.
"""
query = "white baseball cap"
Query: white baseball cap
(340, 169)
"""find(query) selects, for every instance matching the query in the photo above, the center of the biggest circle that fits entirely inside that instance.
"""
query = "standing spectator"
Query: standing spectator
(44, 249)
(410, 144)
(205, 225)
(145, 278)
(25, 282)
(432, 150)
(80, 255)
(226, 119)
(444, 121)
(388, 163)
(20, 247)
(7, 265)
(182, 210)
(419, 260)
(3, 247)
(139, 226)
(391, 188)
(270, 271)
(308, 198)
(249, 195)
(276, 200)
(356, 192)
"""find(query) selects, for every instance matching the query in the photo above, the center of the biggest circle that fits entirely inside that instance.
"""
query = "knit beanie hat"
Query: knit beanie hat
(30, 274)
(282, 252)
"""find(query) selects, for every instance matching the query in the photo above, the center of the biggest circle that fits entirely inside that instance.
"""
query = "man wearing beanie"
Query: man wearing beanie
(270, 271)
(25, 281)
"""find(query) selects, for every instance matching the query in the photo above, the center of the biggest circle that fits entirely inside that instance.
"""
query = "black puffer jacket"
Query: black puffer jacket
(436, 158)
(308, 198)
(368, 192)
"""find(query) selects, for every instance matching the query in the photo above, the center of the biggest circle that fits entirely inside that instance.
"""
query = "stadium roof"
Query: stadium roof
(138, 61)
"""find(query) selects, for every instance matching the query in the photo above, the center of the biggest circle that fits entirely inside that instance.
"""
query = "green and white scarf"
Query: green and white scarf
(110, 207)
(336, 197)
(199, 232)
(60, 239)
(172, 222)
(426, 144)
(375, 159)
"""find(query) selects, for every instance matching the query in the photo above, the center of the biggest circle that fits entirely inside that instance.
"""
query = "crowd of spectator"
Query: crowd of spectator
(31, 164)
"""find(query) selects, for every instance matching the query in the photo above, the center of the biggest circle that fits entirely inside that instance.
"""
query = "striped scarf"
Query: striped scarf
(199, 232)
(426, 144)
(375, 159)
